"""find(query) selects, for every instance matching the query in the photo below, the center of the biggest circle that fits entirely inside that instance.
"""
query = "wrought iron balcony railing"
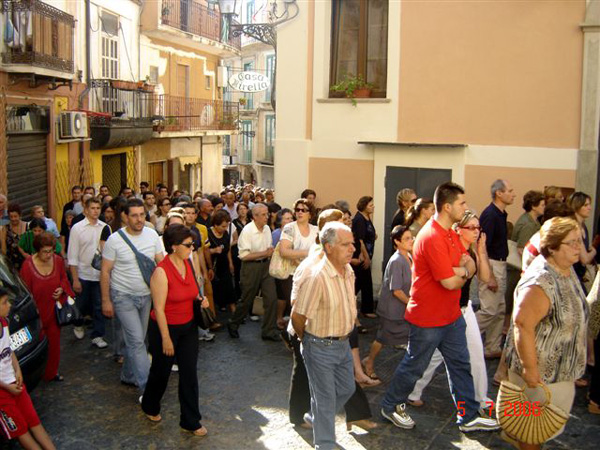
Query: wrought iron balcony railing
(122, 100)
(38, 34)
(196, 114)
(192, 17)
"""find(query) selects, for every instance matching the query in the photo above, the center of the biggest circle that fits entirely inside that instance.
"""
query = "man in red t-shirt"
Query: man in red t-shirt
(441, 267)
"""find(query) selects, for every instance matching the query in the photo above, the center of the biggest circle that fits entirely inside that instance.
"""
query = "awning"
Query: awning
(186, 160)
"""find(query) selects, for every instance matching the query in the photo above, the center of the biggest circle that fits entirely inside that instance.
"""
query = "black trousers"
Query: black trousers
(357, 408)
(595, 380)
(364, 284)
(185, 343)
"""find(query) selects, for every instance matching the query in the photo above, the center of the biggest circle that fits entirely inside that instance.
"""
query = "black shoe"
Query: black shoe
(233, 332)
(270, 337)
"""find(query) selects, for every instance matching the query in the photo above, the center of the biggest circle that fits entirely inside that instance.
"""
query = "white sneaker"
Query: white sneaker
(208, 337)
(175, 368)
(140, 399)
(79, 332)
(254, 318)
(400, 417)
(480, 424)
(99, 342)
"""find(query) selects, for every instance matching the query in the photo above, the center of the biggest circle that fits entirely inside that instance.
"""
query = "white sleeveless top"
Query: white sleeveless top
(7, 372)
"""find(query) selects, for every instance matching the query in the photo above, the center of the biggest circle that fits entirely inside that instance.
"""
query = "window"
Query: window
(270, 68)
(207, 82)
(247, 141)
(153, 74)
(227, 145)
(249, 96)
(359, 42)
(110, 45)
(269, 137)
(250, 11)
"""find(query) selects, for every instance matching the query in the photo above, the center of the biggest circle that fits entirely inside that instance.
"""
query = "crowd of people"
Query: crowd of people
(136, 262)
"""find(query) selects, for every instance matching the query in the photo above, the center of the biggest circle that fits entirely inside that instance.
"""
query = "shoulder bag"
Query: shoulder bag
(593, 300)
(280, 267)
(535, 426)
(204, 317)
(145, 264)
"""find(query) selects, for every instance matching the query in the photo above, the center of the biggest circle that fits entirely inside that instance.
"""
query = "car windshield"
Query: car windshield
(10, 281)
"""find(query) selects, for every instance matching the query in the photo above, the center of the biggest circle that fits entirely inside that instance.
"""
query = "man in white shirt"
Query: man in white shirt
(231, 205)
(255, 250)
(83, 242)
(124, 291)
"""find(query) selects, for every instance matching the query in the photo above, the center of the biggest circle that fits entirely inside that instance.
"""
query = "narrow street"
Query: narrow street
(243, 397)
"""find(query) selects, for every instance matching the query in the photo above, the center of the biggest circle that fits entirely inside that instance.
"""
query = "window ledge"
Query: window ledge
(358, 100)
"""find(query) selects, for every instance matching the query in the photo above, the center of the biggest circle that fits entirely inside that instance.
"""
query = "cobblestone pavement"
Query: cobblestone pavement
(243, 388)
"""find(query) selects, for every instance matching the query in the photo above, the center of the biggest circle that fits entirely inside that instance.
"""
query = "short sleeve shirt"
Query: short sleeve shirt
(525, 227)
(397, 277)
(126, 276)
(435, 253)
(292, 233)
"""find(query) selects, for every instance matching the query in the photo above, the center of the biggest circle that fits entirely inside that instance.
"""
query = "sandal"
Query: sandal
(155, 419)
(372, 375)
(581, 382)
(370, 382)
(202, 431)
(58, 377)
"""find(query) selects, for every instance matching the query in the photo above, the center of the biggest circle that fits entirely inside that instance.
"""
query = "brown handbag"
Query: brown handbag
(532, 425)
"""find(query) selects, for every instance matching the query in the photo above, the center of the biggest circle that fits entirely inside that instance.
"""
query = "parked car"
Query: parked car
(28, 340)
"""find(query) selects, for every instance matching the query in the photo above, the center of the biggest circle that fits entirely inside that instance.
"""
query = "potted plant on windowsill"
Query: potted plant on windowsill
(354, 87)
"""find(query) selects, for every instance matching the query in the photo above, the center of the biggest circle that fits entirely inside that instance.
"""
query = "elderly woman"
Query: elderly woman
(365, 236)
(419, 214)
(297, 238)
(45, 275)
(10, 235)
(172, 331)
(547, 340)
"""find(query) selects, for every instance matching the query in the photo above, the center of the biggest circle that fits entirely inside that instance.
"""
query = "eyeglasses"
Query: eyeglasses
(302, 210)
(471, 228)
(574, 243)
(187, 244)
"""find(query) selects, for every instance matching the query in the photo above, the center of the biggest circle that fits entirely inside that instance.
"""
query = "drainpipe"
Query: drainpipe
(88, 67)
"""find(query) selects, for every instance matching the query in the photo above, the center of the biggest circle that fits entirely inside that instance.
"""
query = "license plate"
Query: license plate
(19, 339)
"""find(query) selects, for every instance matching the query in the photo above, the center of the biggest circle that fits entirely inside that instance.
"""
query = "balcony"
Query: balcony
(41, 40)
(191, 24)
(121, 113)
(181, 116)
(246, 156)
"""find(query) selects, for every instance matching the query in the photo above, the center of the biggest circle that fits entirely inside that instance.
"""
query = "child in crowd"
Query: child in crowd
(18, 418)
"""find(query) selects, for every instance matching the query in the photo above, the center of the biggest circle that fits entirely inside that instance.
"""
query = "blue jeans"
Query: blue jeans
(330, 373)
(90, 300)
(133, 312)
(422, 342)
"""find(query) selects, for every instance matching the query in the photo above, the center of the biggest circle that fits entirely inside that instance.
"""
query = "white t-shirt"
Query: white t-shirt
(126, 276)
(291, 233)
(7, 371)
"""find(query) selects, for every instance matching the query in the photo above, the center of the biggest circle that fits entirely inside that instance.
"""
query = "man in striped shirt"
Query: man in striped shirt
(323, 316)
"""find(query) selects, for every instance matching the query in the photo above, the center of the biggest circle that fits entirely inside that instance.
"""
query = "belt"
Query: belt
(258, 260)
(330, 338)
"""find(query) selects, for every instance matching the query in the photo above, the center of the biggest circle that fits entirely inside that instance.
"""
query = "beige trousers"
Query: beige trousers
(490, 316)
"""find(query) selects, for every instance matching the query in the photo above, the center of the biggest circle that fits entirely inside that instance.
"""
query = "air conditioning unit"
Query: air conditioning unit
(73, 125)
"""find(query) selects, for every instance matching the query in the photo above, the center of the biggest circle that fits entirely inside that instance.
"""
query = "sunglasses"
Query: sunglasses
(187, 244)
(302, 210)
(471, 228)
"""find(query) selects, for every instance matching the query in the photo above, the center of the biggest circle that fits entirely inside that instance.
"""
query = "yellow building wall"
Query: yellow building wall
(97, 155)
(62, 183)
(501, 73)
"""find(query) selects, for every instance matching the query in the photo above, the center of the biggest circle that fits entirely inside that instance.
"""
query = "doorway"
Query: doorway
(423, 181)
(114, 172)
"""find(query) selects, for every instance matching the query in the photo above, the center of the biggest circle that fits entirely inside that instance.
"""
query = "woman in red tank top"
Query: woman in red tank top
(172, 332)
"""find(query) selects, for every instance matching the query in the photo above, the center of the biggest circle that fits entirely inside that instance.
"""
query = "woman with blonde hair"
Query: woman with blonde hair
(405, 199)
(553, 193)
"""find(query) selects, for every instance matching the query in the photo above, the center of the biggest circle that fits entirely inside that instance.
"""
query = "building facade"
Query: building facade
(41, 75)
(249, 158)
(464, 91)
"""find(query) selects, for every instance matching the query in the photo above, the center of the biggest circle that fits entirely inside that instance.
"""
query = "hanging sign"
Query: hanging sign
(249, 82)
